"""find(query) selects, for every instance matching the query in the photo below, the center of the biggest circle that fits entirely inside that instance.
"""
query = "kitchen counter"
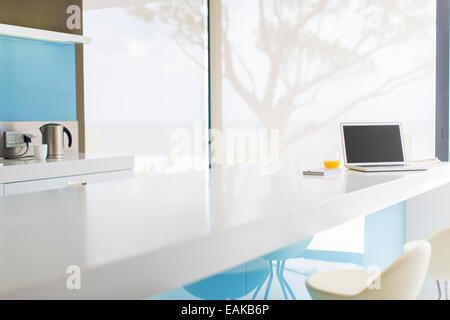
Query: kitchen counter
(72, 164)
(141, 237)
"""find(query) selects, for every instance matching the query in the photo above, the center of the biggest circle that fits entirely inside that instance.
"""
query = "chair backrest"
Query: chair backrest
(403, 279)
(440, 255)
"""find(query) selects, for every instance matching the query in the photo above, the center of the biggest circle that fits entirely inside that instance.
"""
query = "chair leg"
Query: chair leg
(269, 283)
(438, 284)
(280, 280)
(259, 288)
(285, 281)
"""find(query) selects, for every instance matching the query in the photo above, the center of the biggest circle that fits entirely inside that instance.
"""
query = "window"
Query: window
(145, 83)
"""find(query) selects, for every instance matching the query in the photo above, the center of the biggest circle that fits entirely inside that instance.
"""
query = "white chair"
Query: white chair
(402, 280)
(440, 258)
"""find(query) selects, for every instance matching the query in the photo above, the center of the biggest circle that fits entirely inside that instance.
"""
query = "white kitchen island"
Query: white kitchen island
(137, 238)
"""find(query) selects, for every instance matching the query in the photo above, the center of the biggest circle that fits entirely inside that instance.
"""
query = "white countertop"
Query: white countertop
(137, 238)
(72, 164)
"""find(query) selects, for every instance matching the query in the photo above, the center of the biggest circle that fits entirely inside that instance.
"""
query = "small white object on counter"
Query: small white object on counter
(321, 172)
(40, 151)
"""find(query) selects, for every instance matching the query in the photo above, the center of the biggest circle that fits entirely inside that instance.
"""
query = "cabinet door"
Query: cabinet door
(2, 191)
(65, 182)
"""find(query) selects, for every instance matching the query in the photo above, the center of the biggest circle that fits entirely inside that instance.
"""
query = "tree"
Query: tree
(302, 57)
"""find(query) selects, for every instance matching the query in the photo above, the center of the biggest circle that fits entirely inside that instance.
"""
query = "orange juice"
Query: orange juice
(333, 164)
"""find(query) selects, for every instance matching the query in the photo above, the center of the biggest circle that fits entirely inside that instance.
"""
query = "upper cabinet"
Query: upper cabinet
(44, 35)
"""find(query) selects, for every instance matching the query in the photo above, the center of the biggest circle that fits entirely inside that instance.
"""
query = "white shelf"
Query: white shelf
(38, 34)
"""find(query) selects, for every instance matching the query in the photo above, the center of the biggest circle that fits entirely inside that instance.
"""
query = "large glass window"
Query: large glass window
(145, 83)
(305, 66)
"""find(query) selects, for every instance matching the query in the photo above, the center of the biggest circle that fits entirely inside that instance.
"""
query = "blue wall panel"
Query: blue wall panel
(37, 80)
(385, 235)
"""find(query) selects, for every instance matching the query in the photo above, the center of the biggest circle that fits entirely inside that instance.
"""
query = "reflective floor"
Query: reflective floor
(258, 284)
(373, 242)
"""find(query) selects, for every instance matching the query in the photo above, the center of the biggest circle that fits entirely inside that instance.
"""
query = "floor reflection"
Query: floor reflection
(233, 284)
(277, 276)
(281, 275)
(279, 258)
(237, 285)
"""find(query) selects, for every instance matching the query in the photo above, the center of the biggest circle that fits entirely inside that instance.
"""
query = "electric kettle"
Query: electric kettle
(53, 136)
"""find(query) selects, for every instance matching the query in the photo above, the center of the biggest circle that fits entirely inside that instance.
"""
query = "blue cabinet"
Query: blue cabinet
(37, 80)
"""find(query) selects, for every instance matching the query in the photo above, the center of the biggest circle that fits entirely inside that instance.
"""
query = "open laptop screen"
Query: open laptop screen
(366, 144)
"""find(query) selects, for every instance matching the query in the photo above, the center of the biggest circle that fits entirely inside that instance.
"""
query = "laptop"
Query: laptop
(375, 147)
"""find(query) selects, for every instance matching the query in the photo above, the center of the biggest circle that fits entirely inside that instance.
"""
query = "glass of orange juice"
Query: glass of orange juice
(333, 161)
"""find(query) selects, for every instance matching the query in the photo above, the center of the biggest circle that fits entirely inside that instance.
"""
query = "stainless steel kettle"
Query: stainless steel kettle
(53, 136)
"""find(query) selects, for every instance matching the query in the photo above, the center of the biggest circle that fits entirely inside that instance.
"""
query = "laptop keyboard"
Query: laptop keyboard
(393, 168)
(389, 167)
